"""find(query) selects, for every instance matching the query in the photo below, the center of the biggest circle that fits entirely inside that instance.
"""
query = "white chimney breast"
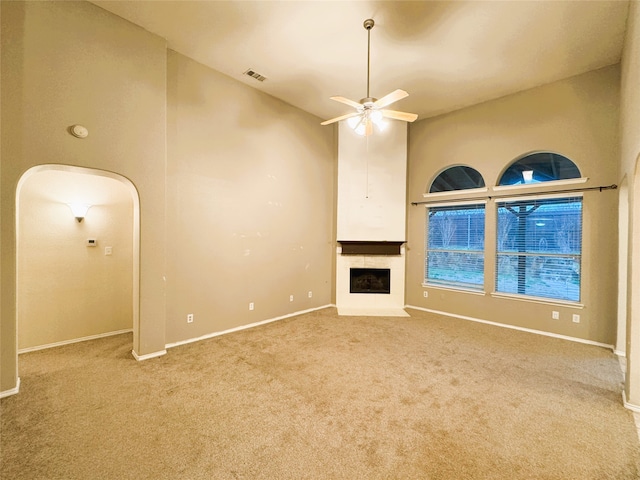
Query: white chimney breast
(372, 184)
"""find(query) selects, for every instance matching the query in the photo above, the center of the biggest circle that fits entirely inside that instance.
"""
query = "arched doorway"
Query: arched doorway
(85, 273)
(632, 378)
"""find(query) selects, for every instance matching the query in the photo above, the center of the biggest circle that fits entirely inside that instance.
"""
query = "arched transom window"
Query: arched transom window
(459, 177)
(539, 167)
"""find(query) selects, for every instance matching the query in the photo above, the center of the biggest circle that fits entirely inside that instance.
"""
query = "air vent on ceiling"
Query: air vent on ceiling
(255, 75)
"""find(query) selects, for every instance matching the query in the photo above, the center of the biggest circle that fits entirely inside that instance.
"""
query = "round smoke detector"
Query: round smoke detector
(78, 131)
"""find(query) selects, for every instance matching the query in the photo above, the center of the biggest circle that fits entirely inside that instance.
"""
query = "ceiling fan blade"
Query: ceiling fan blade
(407, 117)
(346, 101)
(341, 117)
(390, 98)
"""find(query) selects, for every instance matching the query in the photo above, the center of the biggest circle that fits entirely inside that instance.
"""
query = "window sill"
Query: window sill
(453, 193)
(455, 289)
(541, 300)
(569, 181)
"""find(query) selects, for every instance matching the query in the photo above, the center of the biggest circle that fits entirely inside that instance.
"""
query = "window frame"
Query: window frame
(481, 289)
(550, 183)
(535, 298)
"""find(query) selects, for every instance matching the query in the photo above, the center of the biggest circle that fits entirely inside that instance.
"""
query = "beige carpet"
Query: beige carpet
(324, 397)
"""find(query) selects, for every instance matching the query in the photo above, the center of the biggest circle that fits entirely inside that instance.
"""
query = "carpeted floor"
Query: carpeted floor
(324, 397)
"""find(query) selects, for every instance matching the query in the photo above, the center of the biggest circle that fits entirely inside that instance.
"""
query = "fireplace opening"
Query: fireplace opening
(370, 280)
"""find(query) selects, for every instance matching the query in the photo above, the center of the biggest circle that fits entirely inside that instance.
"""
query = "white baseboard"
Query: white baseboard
(13, 391)
(620, 353)
(514, 327)
(631, 406)
(372, 312)
(148, 356)
(73, 340)
(244, 327)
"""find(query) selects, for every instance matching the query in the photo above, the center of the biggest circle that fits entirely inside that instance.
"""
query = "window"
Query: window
(459, 177)
(539, 167)
(455, 246)
(539, 247)
(538, 238)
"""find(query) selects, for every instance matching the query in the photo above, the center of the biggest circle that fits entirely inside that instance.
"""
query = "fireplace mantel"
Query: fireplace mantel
(351, 247)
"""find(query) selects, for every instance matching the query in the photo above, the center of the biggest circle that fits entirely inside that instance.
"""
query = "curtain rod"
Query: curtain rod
(600, 188)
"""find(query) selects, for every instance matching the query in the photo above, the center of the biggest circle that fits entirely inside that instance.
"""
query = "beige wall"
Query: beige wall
(630, 94)
(66, 289)
(629, 170)
(578, 118)
(250, 204)
(72, 62)
(7, 355)
(245, 203)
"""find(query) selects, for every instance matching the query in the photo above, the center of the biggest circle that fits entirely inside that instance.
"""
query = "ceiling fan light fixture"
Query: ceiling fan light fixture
(353, 122)
(377, 117)
(381, 125)
(363, 124)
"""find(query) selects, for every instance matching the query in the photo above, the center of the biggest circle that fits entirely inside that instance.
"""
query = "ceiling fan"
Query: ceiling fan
(370, 111)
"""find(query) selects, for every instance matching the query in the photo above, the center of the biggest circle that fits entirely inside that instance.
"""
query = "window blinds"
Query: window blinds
(455, 246)
(539, 247)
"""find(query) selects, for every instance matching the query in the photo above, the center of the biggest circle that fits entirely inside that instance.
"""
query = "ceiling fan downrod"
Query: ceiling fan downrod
(368, 25)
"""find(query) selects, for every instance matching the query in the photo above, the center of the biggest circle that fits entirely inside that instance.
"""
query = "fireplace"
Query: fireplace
(370, 280)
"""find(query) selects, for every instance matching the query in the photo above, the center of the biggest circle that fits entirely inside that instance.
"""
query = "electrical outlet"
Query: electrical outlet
(190, 318)
(251, 306)
(576, 318)
(425, 294)
(555, 315)
(310, 294)
(108, 250)
(291, 298)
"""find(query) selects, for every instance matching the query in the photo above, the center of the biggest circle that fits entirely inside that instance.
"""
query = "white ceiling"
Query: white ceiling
(447, 55)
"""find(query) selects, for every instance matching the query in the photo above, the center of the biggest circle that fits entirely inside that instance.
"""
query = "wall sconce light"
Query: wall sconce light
(527, 175)
(79, 210)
